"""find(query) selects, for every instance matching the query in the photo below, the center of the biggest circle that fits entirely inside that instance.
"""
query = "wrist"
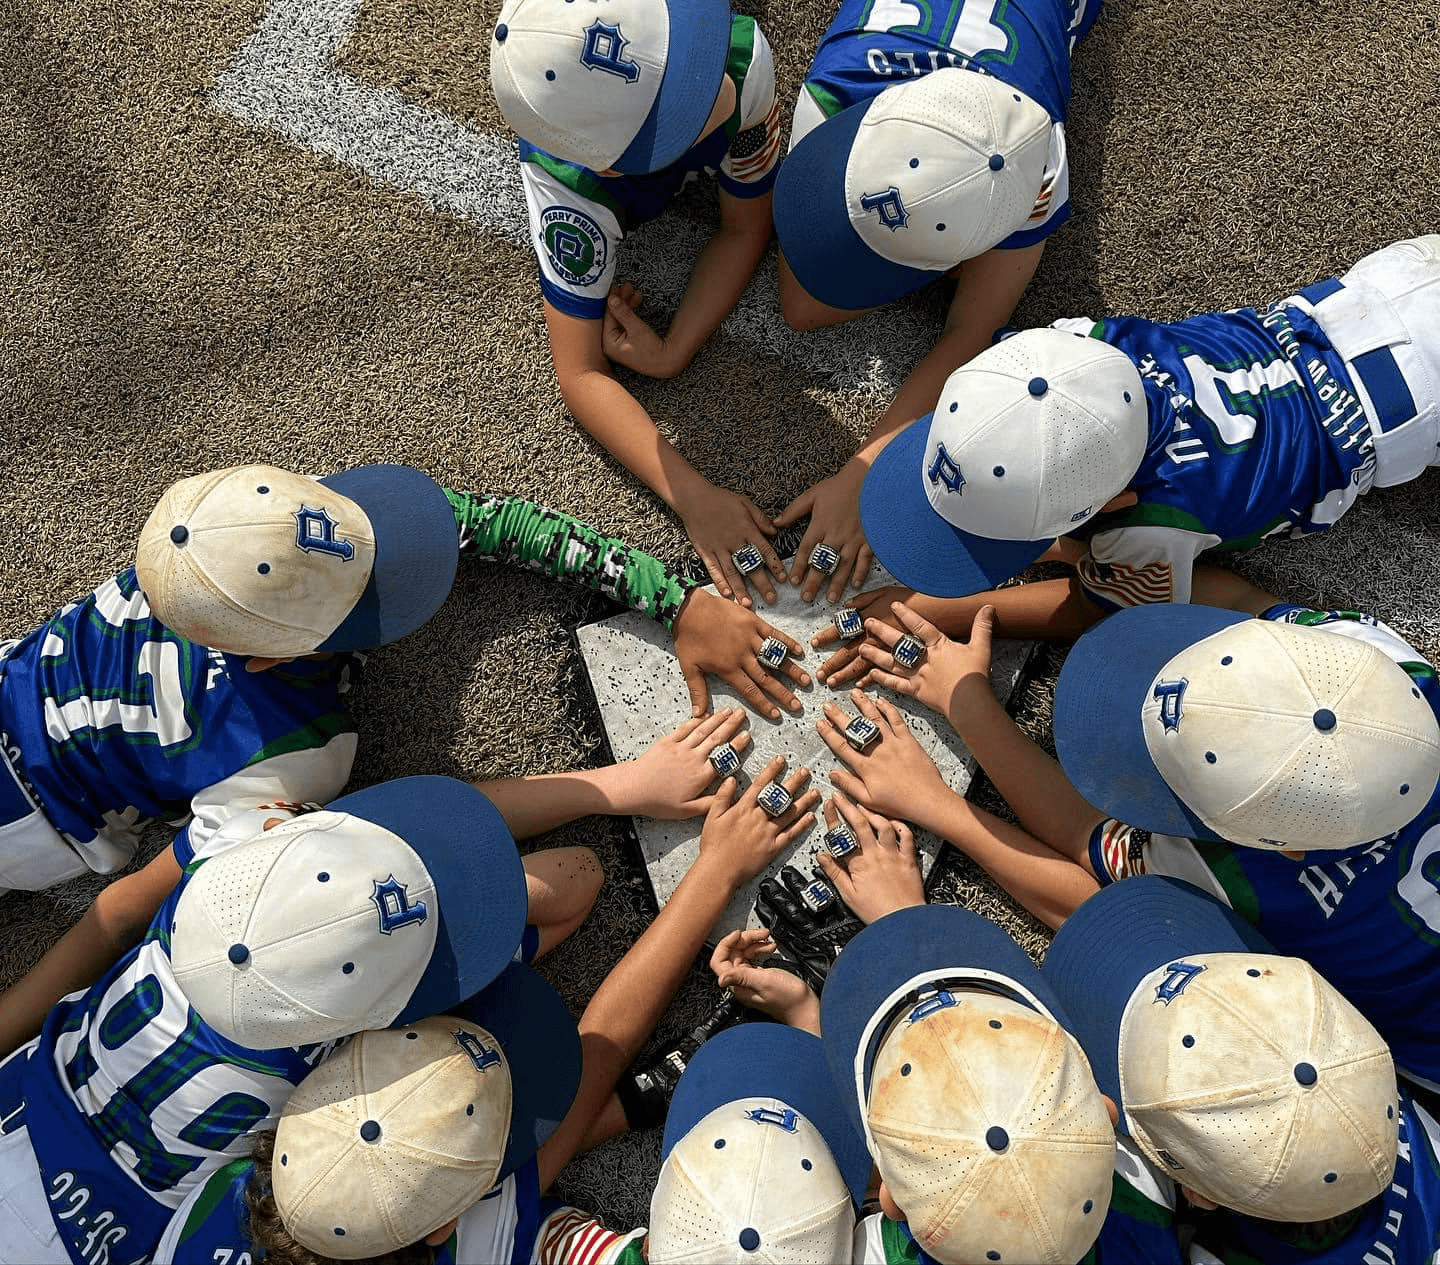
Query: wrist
(972, 704)
(805, 1014)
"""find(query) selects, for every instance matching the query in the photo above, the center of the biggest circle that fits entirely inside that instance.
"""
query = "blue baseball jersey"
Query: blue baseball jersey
(111, 720)
(578, 217)
(1255, 431)
(1367, 918)
(873, 44)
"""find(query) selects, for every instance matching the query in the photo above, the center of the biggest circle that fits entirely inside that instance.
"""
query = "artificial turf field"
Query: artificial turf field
(291, 231)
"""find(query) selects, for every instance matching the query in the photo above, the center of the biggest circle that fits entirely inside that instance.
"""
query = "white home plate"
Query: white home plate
(642, 696)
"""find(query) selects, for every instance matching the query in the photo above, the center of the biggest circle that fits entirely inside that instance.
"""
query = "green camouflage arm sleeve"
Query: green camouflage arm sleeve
(520, 533)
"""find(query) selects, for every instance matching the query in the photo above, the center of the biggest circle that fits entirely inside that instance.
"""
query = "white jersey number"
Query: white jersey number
(1232, 398)
(966, 26)
(1419, 886)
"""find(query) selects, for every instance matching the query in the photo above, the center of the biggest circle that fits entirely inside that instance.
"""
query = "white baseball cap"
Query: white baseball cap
(886, 196)
(760, 1161)
(398, 902)
(1028, 441)
(255, 560)
(1242, 1074)
(400, 1131)
(980, 1108)
(622, 84)
(1250, 731)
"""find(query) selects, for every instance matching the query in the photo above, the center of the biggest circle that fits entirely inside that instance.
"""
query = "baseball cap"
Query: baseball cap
(760, 1161)
(396, 902)
(953, 1057)
(399, 1131)
(255, 560)
(1027, 442)
(1242, 1074)
(1210, 724)
(622, 84)
(888, 195)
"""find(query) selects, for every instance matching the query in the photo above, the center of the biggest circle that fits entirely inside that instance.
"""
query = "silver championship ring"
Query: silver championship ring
(848, 623)
(818, 896)
(773, 652)
(861, 732)
(908, 651)
(825, 558)
(724, 760)
(774, 799)
(747, 558)
(841, 840)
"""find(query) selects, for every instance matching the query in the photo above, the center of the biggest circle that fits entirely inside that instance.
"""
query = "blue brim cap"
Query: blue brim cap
(417, 548)
(912, 541)
(812, 223)
(698, 48)
(542, 1046)
(1118, 937)
(930, 941)
(1099, 736)
(469, 852)
(769, 1060)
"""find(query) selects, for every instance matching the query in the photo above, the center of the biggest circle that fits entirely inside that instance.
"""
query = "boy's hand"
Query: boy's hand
(628, 340)
(740, 838)
(834, 508)
(712, 635)
(718, 523)
(882, 874)
(846, 664)
(894, 775)
(669, 779)
(768, 989)
(937, 679)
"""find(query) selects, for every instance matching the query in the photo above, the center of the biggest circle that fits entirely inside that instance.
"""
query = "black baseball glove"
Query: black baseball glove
(807, 921)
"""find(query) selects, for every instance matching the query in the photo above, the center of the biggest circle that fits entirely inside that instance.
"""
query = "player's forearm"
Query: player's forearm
(517, 532)
(1048, 609)
(722, 271)
(1213, 586)
(533, 804)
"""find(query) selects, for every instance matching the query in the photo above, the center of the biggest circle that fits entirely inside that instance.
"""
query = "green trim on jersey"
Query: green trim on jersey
(521, 533)
(900, 1247)
(1124, 1198)
(212, 1194)
(1146, 515)
(320, 732)
(577, 179)
(631, 1253)
(829, 104)
(737, 65)
(1220, 860)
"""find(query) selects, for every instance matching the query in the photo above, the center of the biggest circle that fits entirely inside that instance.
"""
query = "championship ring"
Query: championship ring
(773, 652)
(818, 896)
(908, 651)
(861, 732)
(825, 558)
(848, 623)
(747, 558)
(841, 840)
(724, 760)
(774, 799)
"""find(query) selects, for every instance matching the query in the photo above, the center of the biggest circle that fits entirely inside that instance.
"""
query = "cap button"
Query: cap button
(501, 32)
(1306, 1074)
(179, 534)
(370, 1130)
(996, 1138)
(238, 954)
(749, 1239)
(997, 161)
(1038, 387)
(1324, 719)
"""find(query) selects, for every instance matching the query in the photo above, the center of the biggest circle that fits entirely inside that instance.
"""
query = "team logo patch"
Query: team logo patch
(476, 1050)
(1177, 979)
(944, 470)
(768, 1115)
(888, 206)
(931, 1005)
(605, 50)
(1171, 695)
(575, 243)
(315, 533)
(394, 906)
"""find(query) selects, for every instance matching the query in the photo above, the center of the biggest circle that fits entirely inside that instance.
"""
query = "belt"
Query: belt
(1377, 370)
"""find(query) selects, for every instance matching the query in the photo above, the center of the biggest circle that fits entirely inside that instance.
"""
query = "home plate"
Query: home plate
(642, 696)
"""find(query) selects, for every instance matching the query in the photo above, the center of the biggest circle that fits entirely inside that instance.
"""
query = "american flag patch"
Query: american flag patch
(755, 150)
(1122, 850)
(1045, 198)
(1128, 585)
(570, 1237)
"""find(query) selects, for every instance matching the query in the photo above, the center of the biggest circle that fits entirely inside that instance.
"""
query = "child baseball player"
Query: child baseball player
(928, 141)
(616, 108)
(1211, 433)
(530, 1030)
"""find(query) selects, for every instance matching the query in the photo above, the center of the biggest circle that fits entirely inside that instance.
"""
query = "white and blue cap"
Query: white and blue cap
(622, 84)
(255, 560)
(890, 194)
(952, 1055)
(760, 1161)
(396, 902)
(1242, 1074)
(402, 1130)
(1028, 441)
(1210, 724)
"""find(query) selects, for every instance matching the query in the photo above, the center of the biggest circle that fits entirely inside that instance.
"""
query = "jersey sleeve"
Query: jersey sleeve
(1140, 1227)
(571, 1237)
(574, 236)
(1052, 203)
(520, 533)
(753, 159)
(209, 1228)
(1134, 566)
